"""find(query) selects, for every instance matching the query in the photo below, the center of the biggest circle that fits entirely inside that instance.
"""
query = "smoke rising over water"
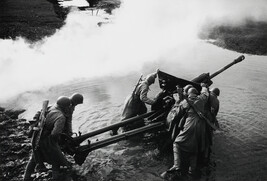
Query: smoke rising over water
(138, 33)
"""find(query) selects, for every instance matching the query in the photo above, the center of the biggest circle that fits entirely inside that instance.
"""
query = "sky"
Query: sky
(137, 33)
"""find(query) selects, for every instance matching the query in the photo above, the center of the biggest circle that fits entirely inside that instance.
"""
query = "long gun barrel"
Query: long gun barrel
(239, 59)
(169, 82)
(206, 78)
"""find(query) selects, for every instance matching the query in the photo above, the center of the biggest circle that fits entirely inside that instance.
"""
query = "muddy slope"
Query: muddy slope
(14, 145)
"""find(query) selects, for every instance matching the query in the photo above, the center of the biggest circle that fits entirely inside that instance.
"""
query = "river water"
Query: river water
(240, 148)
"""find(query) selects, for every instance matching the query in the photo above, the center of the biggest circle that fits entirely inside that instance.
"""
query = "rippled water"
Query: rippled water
(239, 151)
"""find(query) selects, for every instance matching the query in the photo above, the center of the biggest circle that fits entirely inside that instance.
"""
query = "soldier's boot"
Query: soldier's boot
(176, 158)
(193, 171)
(175, 170)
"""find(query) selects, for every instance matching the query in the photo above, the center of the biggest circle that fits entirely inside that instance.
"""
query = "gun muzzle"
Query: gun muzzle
(239, 59)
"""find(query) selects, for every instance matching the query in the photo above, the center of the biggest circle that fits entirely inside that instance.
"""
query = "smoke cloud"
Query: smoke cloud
(139, 32)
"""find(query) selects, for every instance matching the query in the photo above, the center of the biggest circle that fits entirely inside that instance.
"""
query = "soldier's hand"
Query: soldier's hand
(168, 100)
(73, 133)
(35, 128)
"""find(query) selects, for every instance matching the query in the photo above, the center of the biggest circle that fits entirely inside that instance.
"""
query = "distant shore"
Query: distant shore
(31, 19)
(250, 37)
(35, 19)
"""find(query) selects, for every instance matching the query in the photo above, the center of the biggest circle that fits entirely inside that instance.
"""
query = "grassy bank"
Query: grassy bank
(35, 19)
(31, 19)
(250, 38)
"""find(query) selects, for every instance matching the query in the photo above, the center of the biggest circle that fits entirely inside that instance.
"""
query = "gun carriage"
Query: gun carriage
(156, 117)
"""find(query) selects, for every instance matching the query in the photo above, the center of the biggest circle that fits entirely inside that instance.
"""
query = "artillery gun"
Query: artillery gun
(156, 117)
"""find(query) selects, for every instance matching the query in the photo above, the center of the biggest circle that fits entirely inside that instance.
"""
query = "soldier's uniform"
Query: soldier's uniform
(49, 150)
(136, 103)
(191, 140)
(213, 109)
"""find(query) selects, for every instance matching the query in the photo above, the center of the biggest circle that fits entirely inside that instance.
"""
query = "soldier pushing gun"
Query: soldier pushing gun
(135, 104)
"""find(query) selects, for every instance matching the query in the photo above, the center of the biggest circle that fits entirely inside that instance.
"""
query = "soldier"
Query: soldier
(49, 150)
(75, 99)
(214, 101)
(185, 90)
(172, 120)
(182, 93)
(213, 109)
(191, 139)
(135, 103)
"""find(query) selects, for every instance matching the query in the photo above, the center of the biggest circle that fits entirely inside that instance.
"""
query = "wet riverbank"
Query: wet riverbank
(14, 145)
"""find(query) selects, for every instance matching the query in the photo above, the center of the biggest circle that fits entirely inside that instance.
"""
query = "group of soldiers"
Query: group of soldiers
(58, 120)
(192, 116)
(192, 119)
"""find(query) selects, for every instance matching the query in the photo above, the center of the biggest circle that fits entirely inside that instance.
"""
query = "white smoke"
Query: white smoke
(234, 12)
(138, 32)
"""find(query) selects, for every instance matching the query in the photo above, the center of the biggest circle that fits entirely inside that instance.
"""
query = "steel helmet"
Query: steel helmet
(187, 87)
(215, 91)
(63, 102)
(151, 78)
(76, 99)
(192, 90)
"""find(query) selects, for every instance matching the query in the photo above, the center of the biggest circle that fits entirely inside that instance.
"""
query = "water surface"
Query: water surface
(239, 151)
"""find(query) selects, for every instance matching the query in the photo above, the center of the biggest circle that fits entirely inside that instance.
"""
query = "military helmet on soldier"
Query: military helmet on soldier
(76, 99)
(192, 90)
(187, 87)
(215, 91)
(63, 102)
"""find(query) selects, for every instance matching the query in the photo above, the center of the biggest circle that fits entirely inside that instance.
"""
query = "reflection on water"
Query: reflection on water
(240, 148)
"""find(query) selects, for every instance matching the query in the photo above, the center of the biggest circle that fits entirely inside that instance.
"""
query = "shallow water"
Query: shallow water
(240, 148)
